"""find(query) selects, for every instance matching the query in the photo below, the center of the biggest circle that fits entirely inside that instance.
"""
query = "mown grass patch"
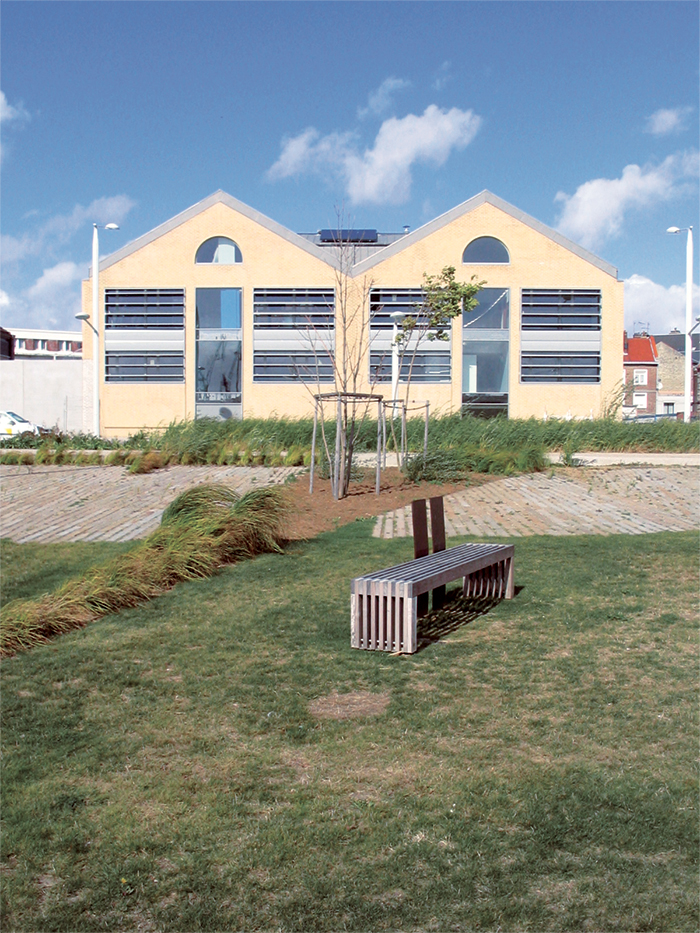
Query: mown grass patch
(26, 573)
(220, 758)
(204, 527)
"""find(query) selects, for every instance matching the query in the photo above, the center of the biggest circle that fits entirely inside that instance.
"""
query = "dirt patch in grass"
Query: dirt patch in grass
(312, 514)
(349, 705)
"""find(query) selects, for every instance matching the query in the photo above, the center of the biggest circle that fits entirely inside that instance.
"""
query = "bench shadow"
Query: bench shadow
(457, 611)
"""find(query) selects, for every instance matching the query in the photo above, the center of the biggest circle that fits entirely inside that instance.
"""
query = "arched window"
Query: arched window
(485, 249)
(219, 249)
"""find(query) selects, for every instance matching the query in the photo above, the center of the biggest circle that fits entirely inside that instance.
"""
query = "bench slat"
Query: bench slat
(413, 570)
(385, 603)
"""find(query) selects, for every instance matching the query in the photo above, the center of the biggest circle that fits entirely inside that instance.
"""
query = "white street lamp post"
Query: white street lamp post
(396, 317)
(95, 325)
(688, 318)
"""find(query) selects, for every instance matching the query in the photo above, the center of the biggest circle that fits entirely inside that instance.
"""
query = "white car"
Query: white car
(11, 424)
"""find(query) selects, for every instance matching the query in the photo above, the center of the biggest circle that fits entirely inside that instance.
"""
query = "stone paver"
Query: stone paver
(613, 500)
(45, 504)
(48, 503)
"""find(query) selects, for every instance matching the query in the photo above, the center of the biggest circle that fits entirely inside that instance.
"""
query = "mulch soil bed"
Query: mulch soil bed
(311, 514)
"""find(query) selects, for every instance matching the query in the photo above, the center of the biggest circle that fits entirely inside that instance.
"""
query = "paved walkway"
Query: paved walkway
(612, 500)
(46, 503)
(54, 503)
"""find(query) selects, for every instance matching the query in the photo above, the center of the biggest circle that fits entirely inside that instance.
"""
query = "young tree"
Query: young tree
(347, 347)
(443, 300)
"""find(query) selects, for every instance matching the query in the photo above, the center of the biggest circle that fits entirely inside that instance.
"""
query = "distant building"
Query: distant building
(43, 380)
(670, 397)
(47, 344)
(7, 345)
(641, 365)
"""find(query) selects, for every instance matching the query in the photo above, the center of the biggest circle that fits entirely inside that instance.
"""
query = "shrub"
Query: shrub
(146, 462)
(203, 528)
(296, 456)
(116, 457)
(437, 466)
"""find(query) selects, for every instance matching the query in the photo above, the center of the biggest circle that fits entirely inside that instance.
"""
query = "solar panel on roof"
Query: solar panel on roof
(347, 236)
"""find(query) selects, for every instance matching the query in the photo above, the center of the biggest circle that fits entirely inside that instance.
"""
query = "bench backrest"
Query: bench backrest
(420, 525)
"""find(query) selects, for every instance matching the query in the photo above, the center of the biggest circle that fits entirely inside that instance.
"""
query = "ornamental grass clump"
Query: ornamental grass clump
(204, 528)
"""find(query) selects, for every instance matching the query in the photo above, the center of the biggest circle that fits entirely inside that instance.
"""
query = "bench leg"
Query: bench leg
(410, 626)
(355, 602)
(439, 597)
(510, 578)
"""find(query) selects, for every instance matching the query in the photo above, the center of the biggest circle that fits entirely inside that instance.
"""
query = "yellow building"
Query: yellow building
(221, 312)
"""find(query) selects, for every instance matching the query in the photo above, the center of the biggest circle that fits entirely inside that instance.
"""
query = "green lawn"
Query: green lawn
(174, 767)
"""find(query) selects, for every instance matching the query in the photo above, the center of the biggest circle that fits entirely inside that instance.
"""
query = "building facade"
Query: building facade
(222, 312)
(670, 397)
(47, 344)
(641, 364)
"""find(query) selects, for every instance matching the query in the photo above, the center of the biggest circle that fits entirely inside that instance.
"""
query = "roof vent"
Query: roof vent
(406, 229)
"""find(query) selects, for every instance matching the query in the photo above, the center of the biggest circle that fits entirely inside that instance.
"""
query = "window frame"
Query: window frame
(144, 377)
(569, 300)
(237, 254)
(568, 360)
(486, 262)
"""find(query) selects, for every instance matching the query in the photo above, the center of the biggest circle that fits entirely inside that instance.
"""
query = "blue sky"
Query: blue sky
(582, 114)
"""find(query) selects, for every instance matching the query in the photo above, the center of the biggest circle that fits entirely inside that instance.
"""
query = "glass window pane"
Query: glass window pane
(492, 311)
(485, 366)
(219, 366)
(219, 249)
(485, 249)
(218, 308)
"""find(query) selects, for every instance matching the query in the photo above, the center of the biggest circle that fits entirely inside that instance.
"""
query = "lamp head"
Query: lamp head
(82, 316)
(673, 230)
(111, 226)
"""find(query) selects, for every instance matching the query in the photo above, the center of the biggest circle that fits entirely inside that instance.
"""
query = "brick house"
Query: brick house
(641, 364)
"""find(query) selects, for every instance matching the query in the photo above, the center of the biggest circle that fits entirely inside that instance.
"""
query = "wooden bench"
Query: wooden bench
(386, 604)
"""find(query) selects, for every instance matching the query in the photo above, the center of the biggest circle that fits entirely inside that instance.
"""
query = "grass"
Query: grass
(204, 527)
(286, 441)
(220, 759)
(27, 574)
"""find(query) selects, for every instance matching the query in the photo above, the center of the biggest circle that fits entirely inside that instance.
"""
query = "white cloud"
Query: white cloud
(380, 100)
(58, 230)
(443, 76)
(51, 302)
(596, 211)
(662, 309)
(8, 112)
(55, 279)
(381, 174)
(666, 121)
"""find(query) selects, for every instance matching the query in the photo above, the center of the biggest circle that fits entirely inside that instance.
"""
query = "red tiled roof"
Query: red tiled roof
(641, 350)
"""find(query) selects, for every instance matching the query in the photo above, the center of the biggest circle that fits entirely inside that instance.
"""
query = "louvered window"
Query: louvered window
(145, 307)
(560, 309)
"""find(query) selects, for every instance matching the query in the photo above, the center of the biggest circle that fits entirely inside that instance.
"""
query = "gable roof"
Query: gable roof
(641, 350)
(219, 197)
(330, 257)
(484, 197)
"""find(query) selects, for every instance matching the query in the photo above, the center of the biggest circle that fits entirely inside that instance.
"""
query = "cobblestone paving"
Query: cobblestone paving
(585, 501)
(48, 503)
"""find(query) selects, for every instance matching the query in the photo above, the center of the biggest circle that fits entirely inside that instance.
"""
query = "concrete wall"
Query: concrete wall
(47, 392)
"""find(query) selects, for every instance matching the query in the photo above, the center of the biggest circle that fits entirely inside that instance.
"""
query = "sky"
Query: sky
(582, 114)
